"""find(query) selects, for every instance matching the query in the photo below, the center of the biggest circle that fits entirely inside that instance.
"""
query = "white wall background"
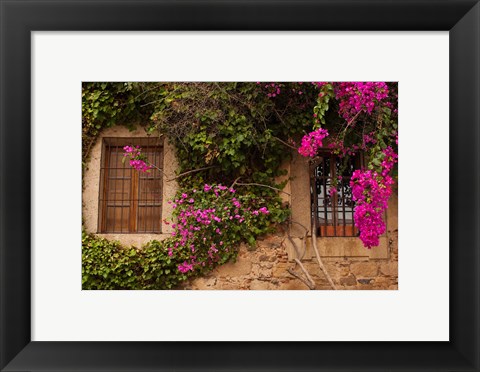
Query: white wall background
(62, 312)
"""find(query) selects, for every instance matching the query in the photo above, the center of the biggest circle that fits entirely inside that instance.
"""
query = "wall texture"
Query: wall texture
(267, 266)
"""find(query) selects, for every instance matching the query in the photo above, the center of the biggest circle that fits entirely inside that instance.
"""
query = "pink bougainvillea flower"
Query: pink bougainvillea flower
(312, 142)
(371, 191)
(185, 267)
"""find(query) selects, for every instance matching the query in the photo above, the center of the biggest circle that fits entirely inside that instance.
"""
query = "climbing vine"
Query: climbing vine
(107, 104)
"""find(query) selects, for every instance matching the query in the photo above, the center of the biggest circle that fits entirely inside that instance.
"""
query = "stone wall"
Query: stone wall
(267, 266)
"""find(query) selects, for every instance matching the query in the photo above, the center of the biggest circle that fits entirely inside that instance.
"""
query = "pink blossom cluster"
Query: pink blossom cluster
(262, 210)
(389, 160)
(355, 97)
(369, 138)
(140, 165)
(137, 159)
(204, 219)
(299, 89)
(273, 89)
(396, 137)
(319, 84)
(185, 267)
(338, 148)
(311, 142)
(371, 191)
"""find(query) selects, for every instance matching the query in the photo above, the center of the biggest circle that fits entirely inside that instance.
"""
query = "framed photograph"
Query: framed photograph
(69, 174)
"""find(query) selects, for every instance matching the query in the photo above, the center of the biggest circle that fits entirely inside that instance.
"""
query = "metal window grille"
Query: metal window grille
(130, 201)
(333, 213)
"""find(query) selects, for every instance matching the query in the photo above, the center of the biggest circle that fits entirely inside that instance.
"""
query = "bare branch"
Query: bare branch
(284, 143)
(154, 166)
(304, 281)
(151, 103)
(234, 183)
(279, 116)
(304, 245)
(310, 279)
(145, 91)
(191, 171)
(352, 120)
(295, 246)
(262, 185)
(309, 282)
(299, 224)
(319, 260)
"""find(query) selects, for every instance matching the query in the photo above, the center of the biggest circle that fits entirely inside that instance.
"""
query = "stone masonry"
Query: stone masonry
(266, 267)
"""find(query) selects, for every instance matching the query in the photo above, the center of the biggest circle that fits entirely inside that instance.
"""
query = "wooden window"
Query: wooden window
(130, 201)
(333, 213)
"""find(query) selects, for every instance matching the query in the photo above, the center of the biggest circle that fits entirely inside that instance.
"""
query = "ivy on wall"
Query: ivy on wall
(108, 265)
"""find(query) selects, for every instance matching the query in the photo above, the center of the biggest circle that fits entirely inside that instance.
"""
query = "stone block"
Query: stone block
(261, 285)
(364, 269)
(204, 283)
(337, 269)
(349, 280)
(389, 268)
(295, 285)
(280, 270)
(242, 267)
(384, 282)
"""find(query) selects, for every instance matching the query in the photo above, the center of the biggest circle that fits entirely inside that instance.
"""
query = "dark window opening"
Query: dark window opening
(130, 201)
(332, 212)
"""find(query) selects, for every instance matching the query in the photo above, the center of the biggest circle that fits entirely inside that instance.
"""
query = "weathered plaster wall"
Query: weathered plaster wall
(91, 185)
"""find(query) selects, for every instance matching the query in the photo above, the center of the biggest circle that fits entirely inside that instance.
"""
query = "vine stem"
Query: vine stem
(284, 143)
(307, 281)
(191, 171)
(351, 121)
(262, 185)
(310, 279)
(181, 174)
(234, 183)
(319, 260)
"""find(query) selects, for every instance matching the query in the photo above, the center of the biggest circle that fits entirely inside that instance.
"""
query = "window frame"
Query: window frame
(339, 229)
(148, 144)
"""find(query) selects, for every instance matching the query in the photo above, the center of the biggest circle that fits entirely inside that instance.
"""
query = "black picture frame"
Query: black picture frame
(18, 18)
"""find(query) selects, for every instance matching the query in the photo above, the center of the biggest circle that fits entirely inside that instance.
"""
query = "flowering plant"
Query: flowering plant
(355, 97)
(210, 223)
(371, 191)
(312, 142)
